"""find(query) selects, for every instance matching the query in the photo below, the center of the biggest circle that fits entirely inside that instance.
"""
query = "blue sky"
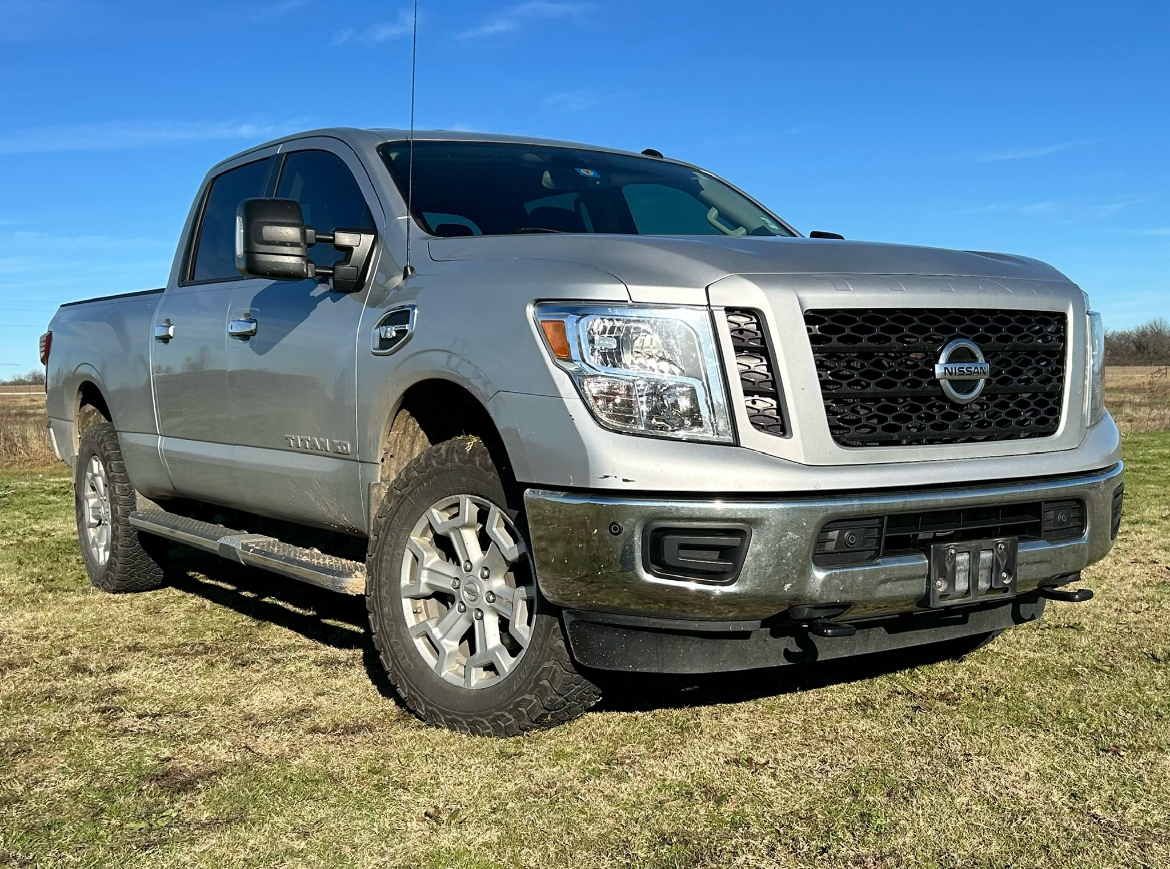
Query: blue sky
(1040, 128)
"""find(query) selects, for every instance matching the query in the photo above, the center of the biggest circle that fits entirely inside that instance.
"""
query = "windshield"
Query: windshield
(490, 188)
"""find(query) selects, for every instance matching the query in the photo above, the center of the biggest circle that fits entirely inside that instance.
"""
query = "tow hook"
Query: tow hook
(1054, 589)
(1076, 595)
(818, 620)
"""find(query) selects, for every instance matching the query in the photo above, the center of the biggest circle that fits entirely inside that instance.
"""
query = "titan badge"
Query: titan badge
(961, 361)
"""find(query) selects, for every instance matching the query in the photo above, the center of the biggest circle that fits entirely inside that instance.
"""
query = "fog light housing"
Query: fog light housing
(695, 552)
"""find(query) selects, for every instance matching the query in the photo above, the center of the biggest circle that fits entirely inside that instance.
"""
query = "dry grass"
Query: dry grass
(1138, 397)
(234, 719)
(24, 440)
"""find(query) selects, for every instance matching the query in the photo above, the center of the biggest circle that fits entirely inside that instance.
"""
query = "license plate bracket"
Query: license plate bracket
(974, 570)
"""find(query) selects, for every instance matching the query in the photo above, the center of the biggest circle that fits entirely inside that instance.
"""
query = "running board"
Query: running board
(256, 550)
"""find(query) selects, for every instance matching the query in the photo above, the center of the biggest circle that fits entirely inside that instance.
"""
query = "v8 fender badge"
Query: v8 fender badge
(317, 445)
(962, 362)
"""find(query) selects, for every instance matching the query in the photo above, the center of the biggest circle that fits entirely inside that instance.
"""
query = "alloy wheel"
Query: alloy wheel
(468, 592)
(96, 510)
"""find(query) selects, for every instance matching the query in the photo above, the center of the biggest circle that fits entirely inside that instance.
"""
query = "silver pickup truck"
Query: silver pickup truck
(556, 409)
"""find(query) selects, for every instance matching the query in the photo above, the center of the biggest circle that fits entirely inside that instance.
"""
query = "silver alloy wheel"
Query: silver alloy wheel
(468, 591)
(96, 510)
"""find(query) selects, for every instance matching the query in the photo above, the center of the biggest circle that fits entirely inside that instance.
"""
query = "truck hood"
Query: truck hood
(650, 265)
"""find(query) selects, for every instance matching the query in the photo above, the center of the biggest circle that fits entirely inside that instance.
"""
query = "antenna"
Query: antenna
(408, 269)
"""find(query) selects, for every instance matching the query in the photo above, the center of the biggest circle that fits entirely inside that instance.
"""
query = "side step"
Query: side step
(256, 550)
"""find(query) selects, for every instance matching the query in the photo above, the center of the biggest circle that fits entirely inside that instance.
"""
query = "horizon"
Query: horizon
(1026, 131)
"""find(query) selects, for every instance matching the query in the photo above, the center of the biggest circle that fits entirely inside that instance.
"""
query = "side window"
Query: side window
(329, 196)
(215, 257)
(661, 210)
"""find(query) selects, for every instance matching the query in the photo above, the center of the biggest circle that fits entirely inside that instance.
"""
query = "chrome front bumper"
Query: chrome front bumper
(581, 564)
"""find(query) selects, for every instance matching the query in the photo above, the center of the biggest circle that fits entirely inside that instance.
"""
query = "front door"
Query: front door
(189, 344)
(293, 382)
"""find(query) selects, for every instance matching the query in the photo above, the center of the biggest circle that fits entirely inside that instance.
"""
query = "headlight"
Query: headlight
(1095, 379)
(650, 371)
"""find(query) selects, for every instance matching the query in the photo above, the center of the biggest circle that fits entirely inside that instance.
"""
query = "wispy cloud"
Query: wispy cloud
(579, 100)
(1022, 153)
(268, 11)
(756, 138)
(133, 134)
(513, 18)
(1064, 210)
(402, 25)
(33, 239)
(24, 20)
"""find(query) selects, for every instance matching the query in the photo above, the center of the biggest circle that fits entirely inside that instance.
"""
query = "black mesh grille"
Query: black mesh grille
(757, 378)
(876, 370)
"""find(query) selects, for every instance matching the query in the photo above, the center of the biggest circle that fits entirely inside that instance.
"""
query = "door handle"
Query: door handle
(164, 331)
(244, 328)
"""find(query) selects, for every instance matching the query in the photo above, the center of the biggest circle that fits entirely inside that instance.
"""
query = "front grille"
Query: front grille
(864, 539)
(876, 371)
(762, 395)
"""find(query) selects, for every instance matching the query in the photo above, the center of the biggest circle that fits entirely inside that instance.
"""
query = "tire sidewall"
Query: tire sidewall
(134, 564)
(416, 679)
(90, 446)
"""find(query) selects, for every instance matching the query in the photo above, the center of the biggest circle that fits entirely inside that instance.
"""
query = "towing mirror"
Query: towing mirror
(272, 241)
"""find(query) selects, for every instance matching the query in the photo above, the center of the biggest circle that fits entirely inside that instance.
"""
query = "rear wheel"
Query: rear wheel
(116, 558)
(456, 614)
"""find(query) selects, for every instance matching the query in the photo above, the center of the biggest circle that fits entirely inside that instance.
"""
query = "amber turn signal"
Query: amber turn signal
(558, 341)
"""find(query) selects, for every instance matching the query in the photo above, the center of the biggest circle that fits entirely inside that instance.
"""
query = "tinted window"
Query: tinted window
(216, 255)
(667, 211)
(497, 188)
(329, 196)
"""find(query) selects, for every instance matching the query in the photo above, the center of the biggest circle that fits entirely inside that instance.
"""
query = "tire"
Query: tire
(116, 558)
(500, 675)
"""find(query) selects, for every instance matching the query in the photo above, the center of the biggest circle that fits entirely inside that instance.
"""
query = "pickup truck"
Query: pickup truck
(557, 409)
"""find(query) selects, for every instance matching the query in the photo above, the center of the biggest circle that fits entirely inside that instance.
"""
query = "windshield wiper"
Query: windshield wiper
(524, 229)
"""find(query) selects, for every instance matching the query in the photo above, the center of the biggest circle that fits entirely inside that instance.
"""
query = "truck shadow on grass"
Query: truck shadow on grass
(339, 622)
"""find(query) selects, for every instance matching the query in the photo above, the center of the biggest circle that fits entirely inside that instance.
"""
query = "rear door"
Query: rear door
(293, 383)
(189, 343)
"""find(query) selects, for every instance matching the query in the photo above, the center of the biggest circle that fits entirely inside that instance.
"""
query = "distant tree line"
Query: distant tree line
(35, 377)
(1147, 344)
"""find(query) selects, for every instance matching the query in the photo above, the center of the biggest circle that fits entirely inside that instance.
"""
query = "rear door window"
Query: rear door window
(215, 256)
(329, 195)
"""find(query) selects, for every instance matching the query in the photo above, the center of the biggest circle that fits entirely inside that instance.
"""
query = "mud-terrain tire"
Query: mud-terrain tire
(116, 557)
(440, 672)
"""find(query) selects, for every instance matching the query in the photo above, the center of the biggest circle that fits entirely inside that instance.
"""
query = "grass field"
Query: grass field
(24, 441)
(235, 719)
(1139, 398)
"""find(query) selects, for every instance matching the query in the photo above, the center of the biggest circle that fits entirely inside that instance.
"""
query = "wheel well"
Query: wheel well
(434, 411)
(91, 407)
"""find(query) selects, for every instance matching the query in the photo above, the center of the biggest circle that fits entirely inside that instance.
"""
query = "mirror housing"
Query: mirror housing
(272, 241)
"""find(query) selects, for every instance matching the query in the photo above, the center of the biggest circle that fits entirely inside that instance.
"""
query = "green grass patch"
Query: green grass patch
(234, 719)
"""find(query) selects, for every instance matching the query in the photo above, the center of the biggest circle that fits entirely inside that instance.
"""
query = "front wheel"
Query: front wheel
(457, 617)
